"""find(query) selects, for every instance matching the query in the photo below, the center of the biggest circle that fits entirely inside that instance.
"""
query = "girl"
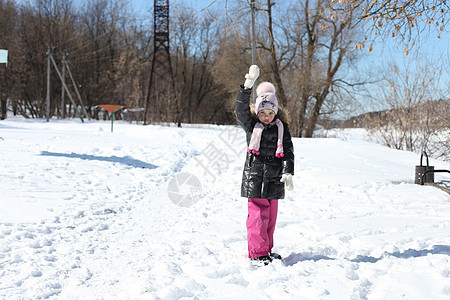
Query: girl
(269, 164)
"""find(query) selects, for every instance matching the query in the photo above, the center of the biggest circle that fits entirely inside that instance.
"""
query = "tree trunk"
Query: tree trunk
(4, 109)
(331, 72)
(308, 61)
(309, 130)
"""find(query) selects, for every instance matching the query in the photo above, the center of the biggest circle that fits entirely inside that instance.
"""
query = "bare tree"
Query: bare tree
(327, 41)
(407, 20)
(105, 47)
(98, 52)
(8, 17)
(131, 59)
(41, 25)
(198, 50)
(412, 119)
(278, 55)
(440, 143)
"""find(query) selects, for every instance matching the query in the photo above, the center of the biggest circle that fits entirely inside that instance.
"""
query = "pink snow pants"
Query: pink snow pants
(261, 220)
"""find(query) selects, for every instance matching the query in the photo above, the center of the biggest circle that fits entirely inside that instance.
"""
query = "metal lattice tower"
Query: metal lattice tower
(161, 103)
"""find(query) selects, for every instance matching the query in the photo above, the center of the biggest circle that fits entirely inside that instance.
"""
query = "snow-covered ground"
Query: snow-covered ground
(154, 212)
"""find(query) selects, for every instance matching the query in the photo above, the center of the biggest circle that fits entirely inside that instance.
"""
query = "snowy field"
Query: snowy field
(153, 212)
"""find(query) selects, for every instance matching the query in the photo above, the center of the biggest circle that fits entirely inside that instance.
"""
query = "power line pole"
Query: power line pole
(65, 87)
(162, 100)
(252, 8)
(63, 103)
(66, 64)
(47, 112)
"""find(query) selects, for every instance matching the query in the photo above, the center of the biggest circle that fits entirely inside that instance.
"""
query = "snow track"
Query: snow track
(86, 215)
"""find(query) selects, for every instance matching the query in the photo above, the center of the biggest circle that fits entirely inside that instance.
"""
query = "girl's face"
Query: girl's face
(266, 116)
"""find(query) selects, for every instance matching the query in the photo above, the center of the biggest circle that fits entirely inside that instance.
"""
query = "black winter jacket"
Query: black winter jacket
(262, 173)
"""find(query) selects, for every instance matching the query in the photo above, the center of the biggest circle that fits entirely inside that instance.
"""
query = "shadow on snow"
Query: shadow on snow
(437, 249)
(410, 253)
(123, 160)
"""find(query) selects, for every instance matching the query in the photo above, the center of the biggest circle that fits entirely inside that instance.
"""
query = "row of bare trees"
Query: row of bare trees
(412, 122)
(96, 40)
(306, 48)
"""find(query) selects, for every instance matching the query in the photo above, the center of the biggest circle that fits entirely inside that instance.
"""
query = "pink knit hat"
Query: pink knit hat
(266, 100)
(266, 97)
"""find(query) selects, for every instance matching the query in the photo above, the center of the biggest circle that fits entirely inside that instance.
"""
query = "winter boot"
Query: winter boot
(274, 255)
(261, 260)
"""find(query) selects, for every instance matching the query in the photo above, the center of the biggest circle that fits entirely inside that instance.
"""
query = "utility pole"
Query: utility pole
(66, 64)
(162, 102)
(252, 7)
(63, 103)
(65, 87)
(47, 112)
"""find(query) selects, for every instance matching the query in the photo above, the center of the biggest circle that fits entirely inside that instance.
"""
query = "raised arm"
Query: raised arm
(243, 114)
